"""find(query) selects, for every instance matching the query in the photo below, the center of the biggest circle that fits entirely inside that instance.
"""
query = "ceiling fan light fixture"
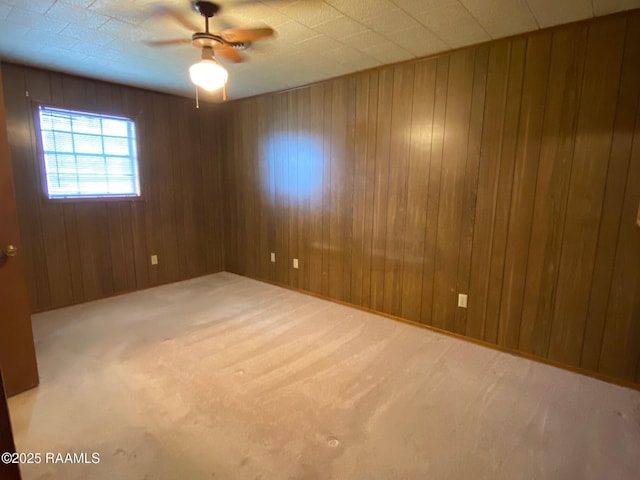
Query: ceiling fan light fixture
(208, 74)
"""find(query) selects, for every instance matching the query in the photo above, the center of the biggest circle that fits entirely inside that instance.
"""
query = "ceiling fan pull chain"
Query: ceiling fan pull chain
(197, 99)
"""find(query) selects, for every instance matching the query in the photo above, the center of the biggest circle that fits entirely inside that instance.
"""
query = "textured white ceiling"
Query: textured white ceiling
(316, 39)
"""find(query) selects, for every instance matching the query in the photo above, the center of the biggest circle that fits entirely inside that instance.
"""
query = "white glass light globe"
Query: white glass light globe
(208, 74)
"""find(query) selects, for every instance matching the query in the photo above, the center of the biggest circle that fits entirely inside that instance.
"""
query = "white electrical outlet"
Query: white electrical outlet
(462, 300)
(273, 257)
(295, 263)
(154, 259)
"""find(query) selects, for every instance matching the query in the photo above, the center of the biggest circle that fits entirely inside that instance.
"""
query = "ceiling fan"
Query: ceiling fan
(207, 73)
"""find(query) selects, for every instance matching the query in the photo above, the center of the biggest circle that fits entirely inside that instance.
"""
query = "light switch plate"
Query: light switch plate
(295, 263)
(273, 257)
(154, 259)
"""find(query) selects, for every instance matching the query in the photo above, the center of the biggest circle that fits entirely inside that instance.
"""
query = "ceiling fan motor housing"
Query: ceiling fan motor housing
(203, 39)
(226, 43)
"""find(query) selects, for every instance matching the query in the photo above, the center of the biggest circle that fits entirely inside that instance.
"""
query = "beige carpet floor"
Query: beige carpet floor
(229, 378)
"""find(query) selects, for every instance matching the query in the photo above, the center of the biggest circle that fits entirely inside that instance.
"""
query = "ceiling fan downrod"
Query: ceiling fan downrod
(207, 10)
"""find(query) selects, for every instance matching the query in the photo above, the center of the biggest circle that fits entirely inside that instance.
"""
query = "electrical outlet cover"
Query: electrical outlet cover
(462, 300)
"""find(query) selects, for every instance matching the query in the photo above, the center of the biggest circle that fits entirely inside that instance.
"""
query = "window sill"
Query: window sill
(94, 200)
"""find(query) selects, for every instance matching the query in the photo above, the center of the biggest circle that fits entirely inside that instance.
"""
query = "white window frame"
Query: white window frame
(133, 157)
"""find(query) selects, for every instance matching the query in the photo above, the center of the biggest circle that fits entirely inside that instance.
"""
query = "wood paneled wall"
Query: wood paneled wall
(83, 250)
(508, 171)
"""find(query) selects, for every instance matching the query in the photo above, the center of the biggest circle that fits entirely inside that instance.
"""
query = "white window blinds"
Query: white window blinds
(87, 155)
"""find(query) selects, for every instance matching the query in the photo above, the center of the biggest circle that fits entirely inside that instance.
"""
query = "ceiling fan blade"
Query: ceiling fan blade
(166, 11)
(222, 22)
(233, 3)
(230, 54)
(246, 34)
(163, 43)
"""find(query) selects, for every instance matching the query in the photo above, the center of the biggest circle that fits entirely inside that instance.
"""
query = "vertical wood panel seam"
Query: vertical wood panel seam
(474, 200)
(466, 172)
(134, 252)
(386, 210)
(513, 173)
(172, 162)
(112, 269)
(406, 186)
(326, 183)
(351, 203)
(608, 317)
(374, 145)
(604, 197)
(428, 177)
(172, 184)
(442, 160)
(363, 193)
(219, 171)
(496, 185)
(568, 196)
(38, 169)
(535, 189)
(74, 227)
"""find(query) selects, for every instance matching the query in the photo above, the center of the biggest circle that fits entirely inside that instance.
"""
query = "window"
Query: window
(87, 155)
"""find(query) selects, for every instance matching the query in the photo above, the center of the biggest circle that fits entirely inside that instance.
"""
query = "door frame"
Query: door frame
(7, 471)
